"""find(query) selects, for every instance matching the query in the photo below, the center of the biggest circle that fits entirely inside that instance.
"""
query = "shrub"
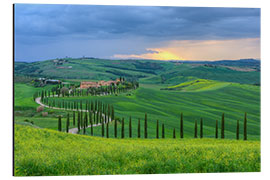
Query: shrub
(40, 108)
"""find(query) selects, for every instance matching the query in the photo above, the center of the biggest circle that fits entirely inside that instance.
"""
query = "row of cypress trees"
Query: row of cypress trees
(83, 123)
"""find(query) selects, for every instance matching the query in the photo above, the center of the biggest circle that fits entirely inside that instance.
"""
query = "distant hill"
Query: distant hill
(148, 71)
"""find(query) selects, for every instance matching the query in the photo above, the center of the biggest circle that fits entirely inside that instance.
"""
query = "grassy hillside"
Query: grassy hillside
(46, 152)
(234, 100)
(148, 71)
(198, 85)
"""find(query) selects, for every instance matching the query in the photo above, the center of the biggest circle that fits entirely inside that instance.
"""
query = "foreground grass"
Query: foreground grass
(47, 152)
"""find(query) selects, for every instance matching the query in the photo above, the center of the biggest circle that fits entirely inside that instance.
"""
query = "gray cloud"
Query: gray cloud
(41, 24)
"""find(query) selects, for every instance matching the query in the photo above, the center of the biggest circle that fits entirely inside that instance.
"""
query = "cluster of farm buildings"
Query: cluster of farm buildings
(90, 84)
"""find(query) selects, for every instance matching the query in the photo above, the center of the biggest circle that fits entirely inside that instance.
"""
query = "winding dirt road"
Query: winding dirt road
(72, 130)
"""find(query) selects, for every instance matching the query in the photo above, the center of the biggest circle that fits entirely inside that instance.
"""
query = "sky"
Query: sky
(45, 32)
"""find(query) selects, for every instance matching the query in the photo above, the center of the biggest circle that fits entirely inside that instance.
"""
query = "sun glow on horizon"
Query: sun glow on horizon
(200, 50)
(154, 53)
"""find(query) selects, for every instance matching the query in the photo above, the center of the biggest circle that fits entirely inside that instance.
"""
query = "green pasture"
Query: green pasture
(166, 106)
(43, 152)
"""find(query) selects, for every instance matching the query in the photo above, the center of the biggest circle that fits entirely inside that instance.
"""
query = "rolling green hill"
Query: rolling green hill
(198, 85)
(148, 71)
(167, 89)
(45, 152)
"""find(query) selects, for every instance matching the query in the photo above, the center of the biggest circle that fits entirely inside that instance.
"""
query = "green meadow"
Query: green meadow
(166, 90)
(47, 152)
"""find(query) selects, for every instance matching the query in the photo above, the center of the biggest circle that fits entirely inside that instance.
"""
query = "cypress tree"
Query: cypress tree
(145, 126)
(84, 123)
(163, 131)
(216, 129)
(245, 126)
(130, 127)
(174, 133)
(102, 130)
(115, 128)
(123, 128)
(59, 123)
(201, 128)
(67, 125)
(157, 132)
(95, 117)
(222, 127)
(79, 122)
(82, 120)
(237, 130)
(195, 129)
(181, 126)
(139, 128)
(107, 130)
(92, 131)
(86, 119)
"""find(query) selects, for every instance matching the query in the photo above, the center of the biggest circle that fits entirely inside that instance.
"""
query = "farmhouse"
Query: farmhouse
(85, 85)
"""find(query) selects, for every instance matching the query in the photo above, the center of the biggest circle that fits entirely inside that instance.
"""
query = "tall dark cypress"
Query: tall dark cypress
(79, 121)
(216, 129)
(74, 118)
(115, 128)
(237, 130)
(245, 126)
(82, 119)
(107, 130)
(163, 131)
(181, 126)
(123, 128)
(112, 116)
(84, 123)
(157, 131)
(174, 133)
(145, 126)
(102, 128)
(130, 127)
(139, 128)
(195, 129)
(86, 119)
(222, 126)
(201, 128)
(59, 123)
(67, 125)
(92, 131)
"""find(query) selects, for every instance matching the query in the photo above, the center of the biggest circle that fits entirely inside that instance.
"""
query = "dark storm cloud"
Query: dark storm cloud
(43, 23)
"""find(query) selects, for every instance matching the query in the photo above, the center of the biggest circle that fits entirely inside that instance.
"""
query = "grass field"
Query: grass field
(47, 152)
(233, 99)
(166, 90)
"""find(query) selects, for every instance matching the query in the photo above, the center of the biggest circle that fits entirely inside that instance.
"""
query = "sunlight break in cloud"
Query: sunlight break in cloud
(154, 53)
(201, 50)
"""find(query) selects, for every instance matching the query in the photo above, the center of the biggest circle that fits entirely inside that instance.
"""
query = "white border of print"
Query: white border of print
(6, 60)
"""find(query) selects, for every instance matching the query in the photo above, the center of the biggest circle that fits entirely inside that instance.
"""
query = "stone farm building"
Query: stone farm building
(85, 85)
